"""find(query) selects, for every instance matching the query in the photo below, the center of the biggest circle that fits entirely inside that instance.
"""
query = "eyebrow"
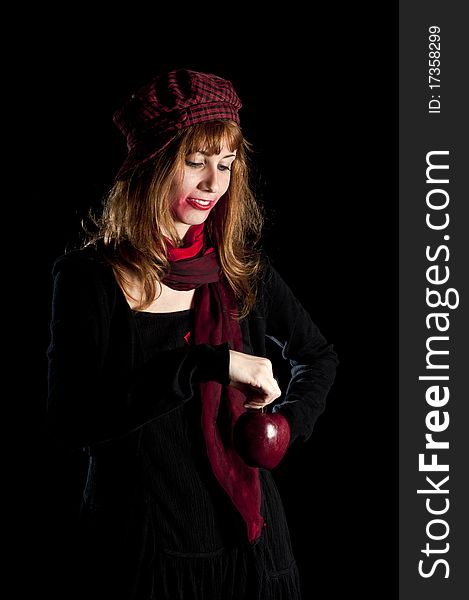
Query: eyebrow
(206, 154)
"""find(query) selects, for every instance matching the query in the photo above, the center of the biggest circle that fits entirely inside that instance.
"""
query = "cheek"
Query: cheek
(189, 182)
(179, 205)
(178, 192)
(225, 184)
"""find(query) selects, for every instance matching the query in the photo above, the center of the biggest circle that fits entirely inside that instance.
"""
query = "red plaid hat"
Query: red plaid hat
(170, 102)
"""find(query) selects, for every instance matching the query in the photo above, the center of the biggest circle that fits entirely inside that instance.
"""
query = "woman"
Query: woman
(159, 333)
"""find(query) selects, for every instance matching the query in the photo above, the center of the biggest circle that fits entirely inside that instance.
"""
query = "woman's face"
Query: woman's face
(205, 180)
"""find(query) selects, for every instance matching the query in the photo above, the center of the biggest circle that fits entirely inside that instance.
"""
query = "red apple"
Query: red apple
(260, 438)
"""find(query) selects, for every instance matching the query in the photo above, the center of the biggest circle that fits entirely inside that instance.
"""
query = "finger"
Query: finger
(254, 405)
(260, 401)
(256, 401)
(268, 386)
(277, 389)
(259, 395)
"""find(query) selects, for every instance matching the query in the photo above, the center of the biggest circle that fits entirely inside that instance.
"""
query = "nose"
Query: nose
(209, 181)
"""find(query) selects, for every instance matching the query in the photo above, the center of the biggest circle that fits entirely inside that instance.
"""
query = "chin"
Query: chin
(198, 221)
(188, 218)
(195, 219)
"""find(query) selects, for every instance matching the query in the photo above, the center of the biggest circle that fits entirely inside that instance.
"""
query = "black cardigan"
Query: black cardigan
(100, 389)
(103, 394)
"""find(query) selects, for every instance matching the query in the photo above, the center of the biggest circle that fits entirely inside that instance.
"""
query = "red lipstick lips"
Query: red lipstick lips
(200, 204)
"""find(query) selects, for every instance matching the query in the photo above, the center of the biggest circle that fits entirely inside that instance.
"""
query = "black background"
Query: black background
(319, 95)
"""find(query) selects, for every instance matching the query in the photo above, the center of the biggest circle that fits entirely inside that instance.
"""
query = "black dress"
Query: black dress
(155, 523)
(198, 540)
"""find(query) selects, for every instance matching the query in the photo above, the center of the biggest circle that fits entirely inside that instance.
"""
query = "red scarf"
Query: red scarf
(196, 266)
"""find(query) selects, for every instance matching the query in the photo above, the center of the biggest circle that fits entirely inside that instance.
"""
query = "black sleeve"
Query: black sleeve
(94, 393)
(313, 361)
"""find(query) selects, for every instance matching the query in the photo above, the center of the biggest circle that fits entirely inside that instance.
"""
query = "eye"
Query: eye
(193, 164)
(224, 168)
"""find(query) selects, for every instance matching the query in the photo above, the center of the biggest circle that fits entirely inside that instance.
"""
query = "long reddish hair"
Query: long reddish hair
(137, 210)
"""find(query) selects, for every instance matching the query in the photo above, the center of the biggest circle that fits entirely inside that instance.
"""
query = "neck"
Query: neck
(181, 229)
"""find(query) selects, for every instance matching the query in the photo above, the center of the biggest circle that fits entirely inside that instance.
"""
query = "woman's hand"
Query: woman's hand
(253, 376)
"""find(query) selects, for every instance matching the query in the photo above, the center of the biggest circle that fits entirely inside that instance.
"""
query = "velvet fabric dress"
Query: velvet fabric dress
(155, 523)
